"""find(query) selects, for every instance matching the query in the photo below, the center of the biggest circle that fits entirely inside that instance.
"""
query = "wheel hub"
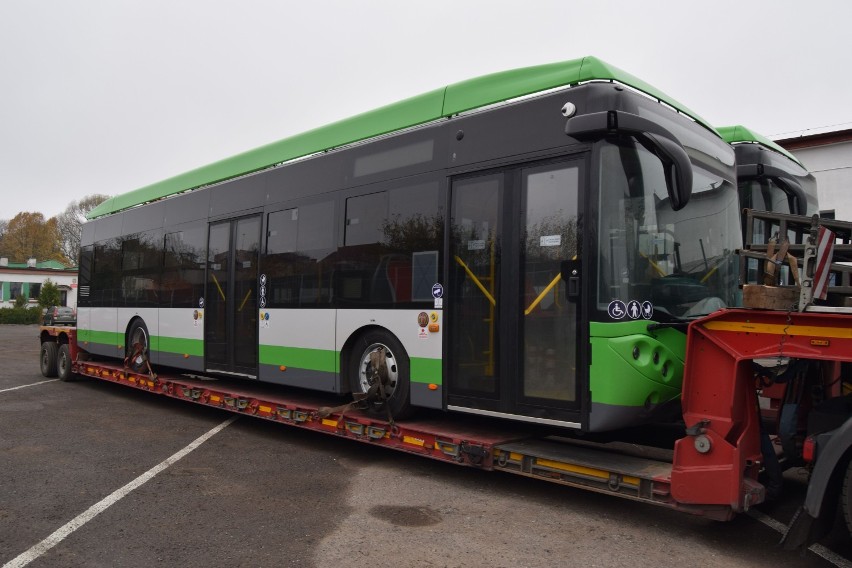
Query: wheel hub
(378, 370)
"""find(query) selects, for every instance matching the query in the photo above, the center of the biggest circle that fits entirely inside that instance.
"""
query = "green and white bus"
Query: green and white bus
(770, 178)
(526, 245)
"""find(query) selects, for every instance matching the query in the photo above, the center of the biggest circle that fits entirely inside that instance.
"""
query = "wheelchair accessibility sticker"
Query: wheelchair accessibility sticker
(632, 310)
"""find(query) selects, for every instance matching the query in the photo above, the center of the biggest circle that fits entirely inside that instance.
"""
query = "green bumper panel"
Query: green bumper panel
(632, 367)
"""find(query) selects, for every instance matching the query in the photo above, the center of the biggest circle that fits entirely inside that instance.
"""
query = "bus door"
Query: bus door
(513, 329)
(230, 311)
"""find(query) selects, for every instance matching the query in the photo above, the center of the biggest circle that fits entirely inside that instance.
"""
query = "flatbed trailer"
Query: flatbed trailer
(712, 471)
(762, 389)
(623, 469)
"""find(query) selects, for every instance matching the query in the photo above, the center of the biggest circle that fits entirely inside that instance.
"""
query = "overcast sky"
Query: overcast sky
(108, 96)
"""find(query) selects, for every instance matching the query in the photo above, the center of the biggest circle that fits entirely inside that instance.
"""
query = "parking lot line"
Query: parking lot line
(29, 385)
(64, 531)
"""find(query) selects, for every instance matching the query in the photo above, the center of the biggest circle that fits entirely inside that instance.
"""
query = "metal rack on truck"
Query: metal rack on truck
(791, 363)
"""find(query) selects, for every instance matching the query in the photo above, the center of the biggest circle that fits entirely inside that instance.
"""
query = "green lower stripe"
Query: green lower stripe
(102, 337)
(423, 370)
(194, 347)
(178, 345)
(426, 370)
(300, 357)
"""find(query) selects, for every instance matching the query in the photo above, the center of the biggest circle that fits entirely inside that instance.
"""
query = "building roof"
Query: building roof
(40, 265)
(817, 139)
(440, 103)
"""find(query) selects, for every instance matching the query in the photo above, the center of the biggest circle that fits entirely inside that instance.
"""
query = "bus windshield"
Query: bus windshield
(681, 262)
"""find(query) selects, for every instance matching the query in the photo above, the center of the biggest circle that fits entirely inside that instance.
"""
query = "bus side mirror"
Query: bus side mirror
(676, 167)
(784, 180)
(659, 141)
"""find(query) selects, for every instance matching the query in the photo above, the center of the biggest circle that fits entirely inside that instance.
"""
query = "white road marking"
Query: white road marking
(64, 531)
(817, 549)
(30, 385)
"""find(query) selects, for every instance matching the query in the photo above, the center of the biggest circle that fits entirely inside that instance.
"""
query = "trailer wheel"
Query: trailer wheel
(63, 363)
(48, 358)
(138, 335)
(363, 376)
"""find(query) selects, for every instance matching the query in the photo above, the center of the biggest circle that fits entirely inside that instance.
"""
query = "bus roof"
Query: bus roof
(739, 134)
(440, 103)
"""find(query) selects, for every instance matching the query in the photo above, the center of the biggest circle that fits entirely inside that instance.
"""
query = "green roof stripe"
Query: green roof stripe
(739, 134)
(440, 103)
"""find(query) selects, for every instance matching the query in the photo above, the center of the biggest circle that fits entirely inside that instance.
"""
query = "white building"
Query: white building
(828, 156)
(26, 278)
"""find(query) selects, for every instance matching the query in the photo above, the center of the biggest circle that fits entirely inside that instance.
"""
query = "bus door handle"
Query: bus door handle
(573, 290)
(570, 270)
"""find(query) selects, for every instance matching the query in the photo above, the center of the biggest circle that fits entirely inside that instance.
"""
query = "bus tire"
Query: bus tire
(63, 363)
(48, 359)
(846, 498)
(138, 333)
(398, 387)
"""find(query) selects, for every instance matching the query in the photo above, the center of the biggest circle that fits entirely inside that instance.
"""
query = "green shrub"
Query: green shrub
(20, 316)
(49, 295)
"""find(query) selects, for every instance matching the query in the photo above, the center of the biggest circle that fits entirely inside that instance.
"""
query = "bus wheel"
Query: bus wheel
(138, 346)
(63, 363)
(379, 357)
(48, 358)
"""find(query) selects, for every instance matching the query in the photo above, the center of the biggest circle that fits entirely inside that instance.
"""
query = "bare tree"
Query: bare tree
(70, 223)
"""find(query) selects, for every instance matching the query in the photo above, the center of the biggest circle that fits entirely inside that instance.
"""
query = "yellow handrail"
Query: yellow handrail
(221, 293)
(248, 293)
(653, 264)
(544, 293)
(476, 281)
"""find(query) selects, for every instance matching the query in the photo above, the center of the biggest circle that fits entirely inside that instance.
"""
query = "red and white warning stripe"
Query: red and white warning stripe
(825, 250)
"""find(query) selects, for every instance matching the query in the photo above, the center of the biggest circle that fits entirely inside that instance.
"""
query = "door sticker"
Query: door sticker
(617, 309)
(634, 309)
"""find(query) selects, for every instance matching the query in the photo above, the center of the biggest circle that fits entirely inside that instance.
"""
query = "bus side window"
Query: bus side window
(87, 253)
(384, 231)
(106, 273)
(355, 272)
(140, 267)
(299, 246)
(184, 260)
